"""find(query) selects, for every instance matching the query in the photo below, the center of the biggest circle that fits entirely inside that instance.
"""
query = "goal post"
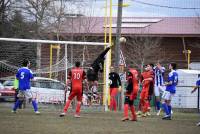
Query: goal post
(64, 63)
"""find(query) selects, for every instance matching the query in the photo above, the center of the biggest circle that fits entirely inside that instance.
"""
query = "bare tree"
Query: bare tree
(82, 22)
(142, 50)
(36, 10)
(5, 6)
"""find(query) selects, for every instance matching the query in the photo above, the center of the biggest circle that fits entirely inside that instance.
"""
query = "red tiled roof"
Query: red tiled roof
(178, 26)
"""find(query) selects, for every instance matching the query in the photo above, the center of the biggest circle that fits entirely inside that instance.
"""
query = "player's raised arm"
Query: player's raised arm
(196, 87)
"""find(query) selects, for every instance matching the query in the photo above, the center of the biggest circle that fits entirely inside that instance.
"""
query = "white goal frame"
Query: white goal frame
(73, 43)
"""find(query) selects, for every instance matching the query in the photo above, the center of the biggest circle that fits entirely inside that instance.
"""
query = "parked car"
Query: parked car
(47, 90)
(7, 91)
(1, 86)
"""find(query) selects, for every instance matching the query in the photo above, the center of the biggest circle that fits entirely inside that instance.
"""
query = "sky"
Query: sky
(142, 10)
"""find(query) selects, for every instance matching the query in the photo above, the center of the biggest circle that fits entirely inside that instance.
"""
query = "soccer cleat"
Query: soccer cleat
(77, 116)
(139, 116)
(167, 117)
(148, 113)
(13, 111)
(144, 115)
(125, 119)
(139, 113)
(158, 113)
(133, 119)
(198, 124)
(62, 114)
(37, 112)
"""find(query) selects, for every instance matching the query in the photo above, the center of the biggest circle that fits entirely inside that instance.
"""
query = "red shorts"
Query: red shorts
(113, 92)
(144, 94)
(77, 93)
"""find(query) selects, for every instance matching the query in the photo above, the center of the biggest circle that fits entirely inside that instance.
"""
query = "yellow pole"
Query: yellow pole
(110, 42)
(106, 98)
(57, 47)
(50, 66)
(105, 41)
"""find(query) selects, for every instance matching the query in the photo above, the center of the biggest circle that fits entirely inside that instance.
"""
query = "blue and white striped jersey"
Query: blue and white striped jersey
(159, 76)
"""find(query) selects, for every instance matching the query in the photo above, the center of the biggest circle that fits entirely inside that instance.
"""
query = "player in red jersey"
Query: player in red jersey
(76, 77)
(131, 94)
(147, 78)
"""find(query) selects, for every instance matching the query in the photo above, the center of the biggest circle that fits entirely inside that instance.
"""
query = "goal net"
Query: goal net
(50, 62)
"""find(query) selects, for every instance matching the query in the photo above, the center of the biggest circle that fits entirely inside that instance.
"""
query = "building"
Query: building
(169, 36)
(149, 39)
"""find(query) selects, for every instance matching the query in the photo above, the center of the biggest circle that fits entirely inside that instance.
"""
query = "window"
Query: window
(57, 85)
(48, 84)
(8, 83)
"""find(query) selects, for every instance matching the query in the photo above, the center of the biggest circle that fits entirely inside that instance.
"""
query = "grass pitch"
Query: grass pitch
(49, 122)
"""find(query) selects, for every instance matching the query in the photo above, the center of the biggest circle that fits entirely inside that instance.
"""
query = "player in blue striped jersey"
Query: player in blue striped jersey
(169, 91)
(24, 75)
(158, 84)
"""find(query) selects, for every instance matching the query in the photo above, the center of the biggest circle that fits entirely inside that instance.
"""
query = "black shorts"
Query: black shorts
(91, 75)
(128, 101)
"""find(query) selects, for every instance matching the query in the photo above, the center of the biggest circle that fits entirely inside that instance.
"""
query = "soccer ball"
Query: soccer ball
(122, 40)
(110, 82)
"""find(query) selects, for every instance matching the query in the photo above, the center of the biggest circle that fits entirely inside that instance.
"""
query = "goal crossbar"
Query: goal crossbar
(53, 42)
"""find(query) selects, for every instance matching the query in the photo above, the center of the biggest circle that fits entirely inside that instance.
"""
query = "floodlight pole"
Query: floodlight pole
(118, 33)
(117, 43)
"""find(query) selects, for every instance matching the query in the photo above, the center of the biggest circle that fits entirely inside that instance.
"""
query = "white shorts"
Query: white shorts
(158, 90)
(27, 94)
(167, 95)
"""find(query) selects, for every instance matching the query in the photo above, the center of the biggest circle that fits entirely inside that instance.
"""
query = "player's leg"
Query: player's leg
(162, 90)
(115, 103)
(29, 95)
(141, 103)
(139, 107)
(167, 109)
(157, 95)
(169, 104)
(67, 104)
(113, 96)
(132, 108)
(16, 105)
(165, 104)
(145, 107)
(146, 103)
(148, 107)
(111, 100)
(20, 96)
(126, 106)
(78, 105)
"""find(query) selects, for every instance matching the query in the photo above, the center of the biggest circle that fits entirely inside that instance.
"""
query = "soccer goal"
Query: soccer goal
(51, 60)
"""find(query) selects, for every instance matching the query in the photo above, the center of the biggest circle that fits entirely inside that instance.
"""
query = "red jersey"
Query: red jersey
(77, 75)
(145, 75)
(147, 84)
(132, 83)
